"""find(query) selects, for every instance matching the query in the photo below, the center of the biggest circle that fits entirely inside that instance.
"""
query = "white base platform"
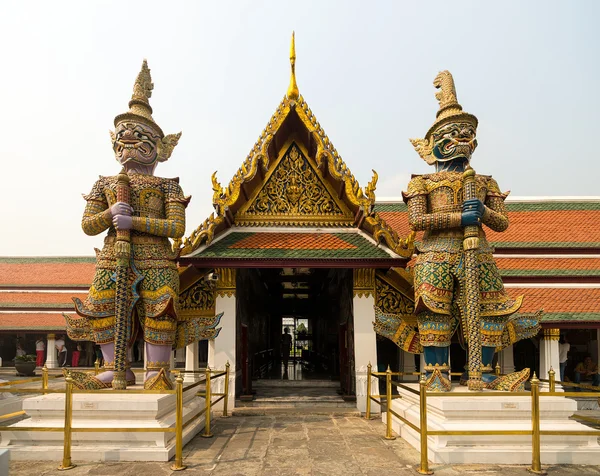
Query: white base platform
(494, 413)
(103, 410)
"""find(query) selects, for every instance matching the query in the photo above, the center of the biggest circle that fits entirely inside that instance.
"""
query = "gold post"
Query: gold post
(536, 465)
(66, 462)
(424, 468)
(226, 399)
(44, 379)
(178, 464)
(388, 398)
(368, 411)
(97, 367)
(497, 369)
(552, 378)
(207, 433)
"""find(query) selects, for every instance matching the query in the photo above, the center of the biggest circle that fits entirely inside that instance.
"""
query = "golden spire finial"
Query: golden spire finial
(293, 92)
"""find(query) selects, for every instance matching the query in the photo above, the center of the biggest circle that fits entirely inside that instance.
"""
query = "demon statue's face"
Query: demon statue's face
(454, 141)
(135, 142)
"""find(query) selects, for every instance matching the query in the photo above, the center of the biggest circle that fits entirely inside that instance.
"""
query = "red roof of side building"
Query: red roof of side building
(572, 306)
(46, 272)
(548, 224)
(32, 321)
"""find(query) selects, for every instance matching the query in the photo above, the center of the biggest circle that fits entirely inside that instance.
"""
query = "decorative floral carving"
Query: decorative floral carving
(200, 297)
(295, 180)
(390, 300)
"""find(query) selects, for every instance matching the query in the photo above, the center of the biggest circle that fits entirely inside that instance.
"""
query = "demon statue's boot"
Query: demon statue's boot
(437, 374)
(84, 380)
(157, 367)
(513, 382)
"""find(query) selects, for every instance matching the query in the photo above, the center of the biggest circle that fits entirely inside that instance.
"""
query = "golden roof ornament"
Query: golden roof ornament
(450, 112)
(293, 92)
(139, 106)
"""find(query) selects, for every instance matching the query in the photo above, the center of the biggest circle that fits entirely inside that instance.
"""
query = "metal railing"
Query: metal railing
(69, 391)
(423, 394)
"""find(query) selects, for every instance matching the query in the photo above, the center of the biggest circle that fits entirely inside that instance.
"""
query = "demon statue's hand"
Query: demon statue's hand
(472, 211)
(123, 222)
(120, 208)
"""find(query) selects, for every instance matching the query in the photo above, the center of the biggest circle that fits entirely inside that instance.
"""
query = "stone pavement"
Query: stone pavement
(292, 445)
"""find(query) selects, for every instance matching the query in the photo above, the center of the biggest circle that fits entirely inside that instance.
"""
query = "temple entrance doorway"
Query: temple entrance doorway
(297, 341)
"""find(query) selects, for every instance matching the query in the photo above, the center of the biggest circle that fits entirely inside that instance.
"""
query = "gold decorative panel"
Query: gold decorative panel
(226, 281)
(294, 194)
(364, 282)
(390, 300)
(199, 300)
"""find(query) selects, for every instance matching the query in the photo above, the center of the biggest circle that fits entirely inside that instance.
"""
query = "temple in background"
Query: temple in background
(295, 242)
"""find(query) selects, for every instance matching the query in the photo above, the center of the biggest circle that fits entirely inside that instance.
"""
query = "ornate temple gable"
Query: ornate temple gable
(293, 119)
(294, 193)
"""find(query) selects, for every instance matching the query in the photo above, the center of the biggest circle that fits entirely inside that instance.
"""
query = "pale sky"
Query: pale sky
(529, 70)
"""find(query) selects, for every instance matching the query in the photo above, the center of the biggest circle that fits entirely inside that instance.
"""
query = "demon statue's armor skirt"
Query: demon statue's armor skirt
(439, 282)
(157, 292)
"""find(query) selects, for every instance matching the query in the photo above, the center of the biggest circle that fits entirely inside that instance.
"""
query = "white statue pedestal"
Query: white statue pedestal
(9, 404)
(104, 410)
(494, 413)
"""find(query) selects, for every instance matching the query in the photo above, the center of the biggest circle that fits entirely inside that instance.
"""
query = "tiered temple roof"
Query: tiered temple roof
(563, 280)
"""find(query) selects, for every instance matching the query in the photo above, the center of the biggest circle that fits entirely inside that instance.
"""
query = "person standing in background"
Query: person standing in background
(20, 352)
(62, 351)
(76, 354)
(40, 347)
(563, 352)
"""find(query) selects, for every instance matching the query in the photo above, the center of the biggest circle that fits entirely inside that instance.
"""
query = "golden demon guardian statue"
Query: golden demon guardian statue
(456, 282)
(136, 284)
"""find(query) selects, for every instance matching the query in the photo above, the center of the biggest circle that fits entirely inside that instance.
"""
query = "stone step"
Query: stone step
(268, 402)
(276, 383)
(294, 410)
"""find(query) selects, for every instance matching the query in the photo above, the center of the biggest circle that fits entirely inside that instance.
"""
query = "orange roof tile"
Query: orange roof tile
(559, 300)
(575, 226)
(33, 321)
(568, 223)
(46, 273)
(38, 298)
(291, 241)
(548, 263)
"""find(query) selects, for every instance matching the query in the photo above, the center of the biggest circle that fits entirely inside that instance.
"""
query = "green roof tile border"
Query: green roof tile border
(390, 207)
(550, 272)
(511, 206)
(570, 316)
(46, 259)
(22, 305)
(17, 287)
(546, 244)
(364, 249)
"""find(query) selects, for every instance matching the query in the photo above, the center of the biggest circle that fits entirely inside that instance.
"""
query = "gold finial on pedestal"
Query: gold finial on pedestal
(293, 92)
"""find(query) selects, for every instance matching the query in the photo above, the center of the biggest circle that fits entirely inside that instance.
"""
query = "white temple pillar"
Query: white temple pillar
(549, 354)
(179, 357)
(408, 365)
(506, 359)
(172, 360)
(222, 349)
(51, 359)
(191, 363)
(365, 343)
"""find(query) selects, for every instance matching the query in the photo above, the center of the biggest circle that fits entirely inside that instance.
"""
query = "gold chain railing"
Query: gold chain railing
(424, 433)
(178, 392)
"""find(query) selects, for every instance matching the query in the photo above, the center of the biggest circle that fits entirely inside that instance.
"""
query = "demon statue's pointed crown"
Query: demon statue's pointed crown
(137, 138)
(452, 135)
